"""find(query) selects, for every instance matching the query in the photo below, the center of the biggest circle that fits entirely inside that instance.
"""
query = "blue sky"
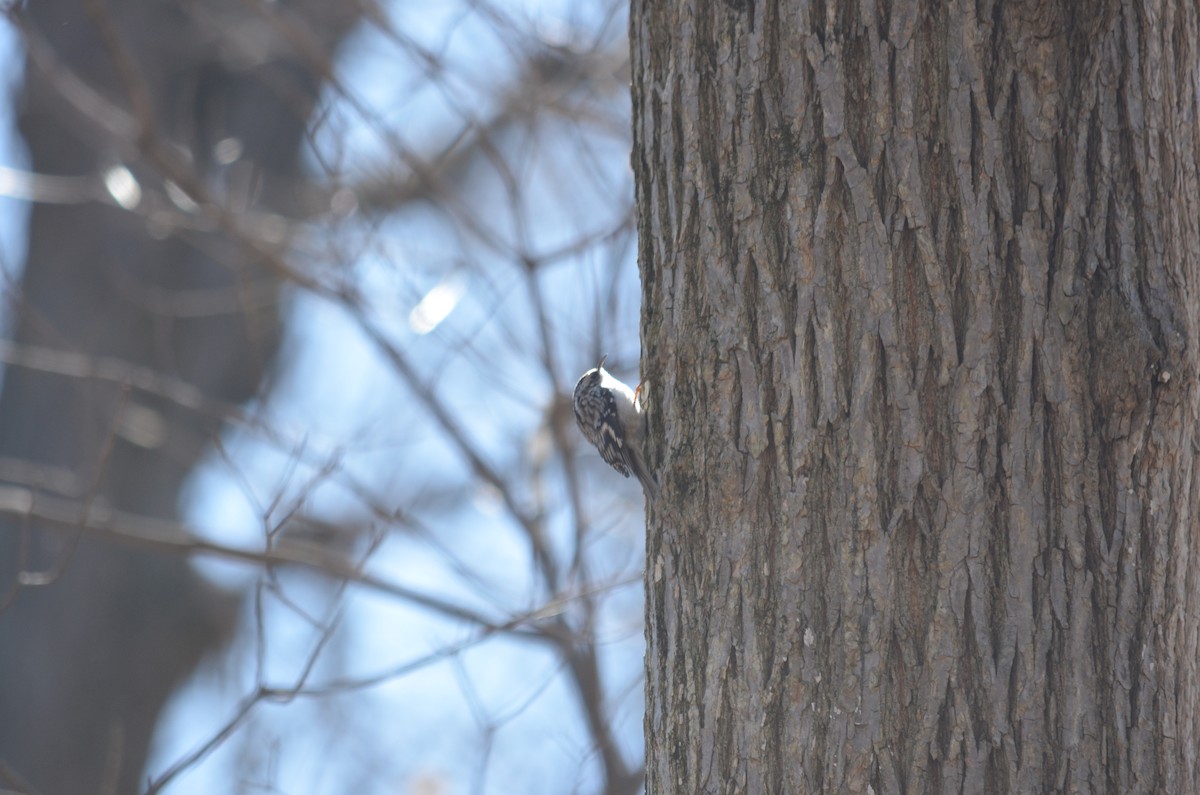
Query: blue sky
(14, 213)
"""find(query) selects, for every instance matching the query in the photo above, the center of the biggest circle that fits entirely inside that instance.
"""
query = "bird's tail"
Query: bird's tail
(649, 484)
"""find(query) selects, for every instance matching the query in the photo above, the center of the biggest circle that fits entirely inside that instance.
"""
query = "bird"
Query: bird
(610, 415)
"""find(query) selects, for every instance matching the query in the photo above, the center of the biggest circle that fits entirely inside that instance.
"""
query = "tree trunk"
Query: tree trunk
(921, 285)
(88, 659)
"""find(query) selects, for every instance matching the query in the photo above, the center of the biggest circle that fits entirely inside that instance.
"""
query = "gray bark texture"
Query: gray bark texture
(89, 656)
(921, 293)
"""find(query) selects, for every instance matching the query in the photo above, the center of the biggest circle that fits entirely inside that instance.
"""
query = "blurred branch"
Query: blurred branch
(126, 375)
(116, 371)
(242, 712)
(533, 528)
(27, 578)
(548, 73)
(11, 778)
(50, 189)
(172, 537)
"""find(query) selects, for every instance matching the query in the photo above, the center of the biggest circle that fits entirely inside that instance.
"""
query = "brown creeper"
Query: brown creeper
(610, 416)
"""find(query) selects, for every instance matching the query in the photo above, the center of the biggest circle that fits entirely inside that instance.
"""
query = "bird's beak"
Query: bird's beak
(603, 359)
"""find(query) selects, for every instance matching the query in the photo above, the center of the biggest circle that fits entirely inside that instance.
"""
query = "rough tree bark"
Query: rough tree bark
(921, 290)
(88, 659)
